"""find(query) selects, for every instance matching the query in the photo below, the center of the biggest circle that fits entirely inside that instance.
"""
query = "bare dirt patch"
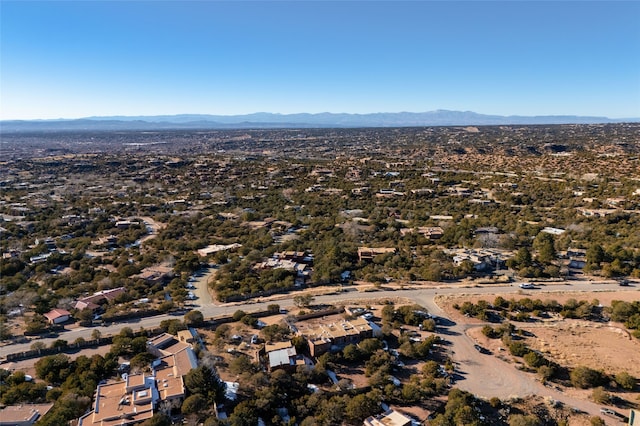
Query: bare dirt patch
(569, 342)
(598, 346)
(602, 346)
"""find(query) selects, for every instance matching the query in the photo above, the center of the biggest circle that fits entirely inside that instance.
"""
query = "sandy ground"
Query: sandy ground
(606, 347)
(570, 342)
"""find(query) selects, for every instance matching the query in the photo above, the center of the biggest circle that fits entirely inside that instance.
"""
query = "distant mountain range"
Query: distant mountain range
(303, 120)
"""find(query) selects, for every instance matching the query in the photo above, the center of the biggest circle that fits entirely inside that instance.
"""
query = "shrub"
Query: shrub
(488, 331)
(249, 320)
(625, 380)
(518, 349)
(238, 315)
(585, 377)
(534, 359)
(429, 325)
(520, 420)
(601, 396)
(546, 372)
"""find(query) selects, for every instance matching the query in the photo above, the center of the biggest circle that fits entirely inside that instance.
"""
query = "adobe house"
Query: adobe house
(57, 316)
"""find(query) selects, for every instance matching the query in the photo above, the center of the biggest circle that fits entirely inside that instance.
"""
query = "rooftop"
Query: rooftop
(23, 413)
(123, 403)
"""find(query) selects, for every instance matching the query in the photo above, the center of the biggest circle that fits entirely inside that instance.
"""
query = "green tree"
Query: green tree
(363, 405)
(546, 372)
(238, 315)
(241, 364)
(85, 317)
(53, 368)
(545, 244)
(223, 331)
(172, 326)
(5, 330)
(303, 300)
(204, 381)
(141, 360)
(388, 313)
(431, 369)
(36, 346)
(36, 324)
(595, 256)
(274, 332)
(351, 353)
(158, 419)
(194, 319)
(244, 415)
(522, 258)
(194, 404)
(273, 308)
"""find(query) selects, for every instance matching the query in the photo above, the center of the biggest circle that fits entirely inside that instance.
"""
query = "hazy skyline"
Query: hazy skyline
(79, 59)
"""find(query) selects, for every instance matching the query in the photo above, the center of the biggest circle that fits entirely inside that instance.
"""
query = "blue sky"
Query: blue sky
(86, 58)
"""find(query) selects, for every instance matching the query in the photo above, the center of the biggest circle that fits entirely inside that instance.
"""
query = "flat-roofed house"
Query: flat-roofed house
(169, 372)
(282, 355)
(23, 414)
(123, 403)
(167, 344)
(389, 418)
(137, 397)
(339, 334)
(368, 253)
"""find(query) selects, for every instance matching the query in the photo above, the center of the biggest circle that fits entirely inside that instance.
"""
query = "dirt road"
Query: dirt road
(488, 376)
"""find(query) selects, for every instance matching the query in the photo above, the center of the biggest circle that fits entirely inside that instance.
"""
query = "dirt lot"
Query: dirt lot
(603, 346)
(571, 342)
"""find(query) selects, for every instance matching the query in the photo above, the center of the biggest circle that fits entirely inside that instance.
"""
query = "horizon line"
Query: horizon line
(142, 116)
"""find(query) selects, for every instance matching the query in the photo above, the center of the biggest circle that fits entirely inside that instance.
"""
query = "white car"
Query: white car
(527, 285)
(608, 412)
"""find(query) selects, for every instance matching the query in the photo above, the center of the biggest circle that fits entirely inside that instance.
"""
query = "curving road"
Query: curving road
(424, 297)
(483, 375)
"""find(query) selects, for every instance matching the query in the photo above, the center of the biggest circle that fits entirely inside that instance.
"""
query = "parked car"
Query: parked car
(481, 349)
(608, 412)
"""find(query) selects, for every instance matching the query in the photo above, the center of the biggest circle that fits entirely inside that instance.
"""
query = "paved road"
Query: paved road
(202, 286)
(483, 375)
(424, 297)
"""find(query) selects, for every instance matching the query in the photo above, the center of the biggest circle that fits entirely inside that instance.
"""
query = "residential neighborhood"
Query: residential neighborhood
(321, 276)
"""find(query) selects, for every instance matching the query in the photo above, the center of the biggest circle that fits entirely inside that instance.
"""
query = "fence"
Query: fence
(70, 348)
